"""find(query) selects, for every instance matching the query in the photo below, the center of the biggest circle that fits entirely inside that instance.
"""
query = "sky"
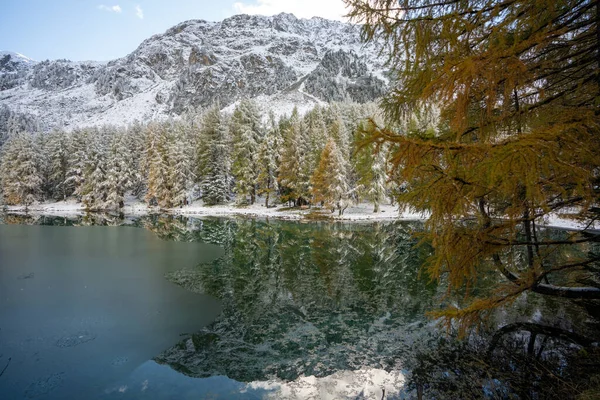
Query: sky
(103, 30)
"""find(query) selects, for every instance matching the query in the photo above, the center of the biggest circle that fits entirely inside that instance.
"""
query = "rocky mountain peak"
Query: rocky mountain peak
(282, 60)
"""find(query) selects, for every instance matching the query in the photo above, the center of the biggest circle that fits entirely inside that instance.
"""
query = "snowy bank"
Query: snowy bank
(358, 212)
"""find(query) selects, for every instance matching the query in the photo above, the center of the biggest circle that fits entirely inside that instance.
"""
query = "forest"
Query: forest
(319, 158)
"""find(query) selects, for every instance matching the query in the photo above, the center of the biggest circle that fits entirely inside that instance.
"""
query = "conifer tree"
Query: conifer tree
(158, 167)
(370, 165)
(20, 170)
(517, 85)
(58, 153)
(330, 180)
(268, 162)
(77, 160)
(214, 158)
(180, 165)
(294, 174)
(246, 135)
(94, 188)
(119, 175)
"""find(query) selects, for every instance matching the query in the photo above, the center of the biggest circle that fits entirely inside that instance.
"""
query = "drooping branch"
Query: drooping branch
(538, 329)
(587, 293)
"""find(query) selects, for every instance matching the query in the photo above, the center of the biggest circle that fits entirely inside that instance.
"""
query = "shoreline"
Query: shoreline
(362, 212)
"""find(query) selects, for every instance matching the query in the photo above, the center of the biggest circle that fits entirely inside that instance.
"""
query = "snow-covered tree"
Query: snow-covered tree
(370, 166)
(157, 166)
(294, 174)
(119, 175)
(330, 180)
(246, 135)
(57, 152)
(317, 135)
(94, 188)
(180, 164)
(77, 160)
(214, 161)
(135, 145)
(20, 170)
(268, 162)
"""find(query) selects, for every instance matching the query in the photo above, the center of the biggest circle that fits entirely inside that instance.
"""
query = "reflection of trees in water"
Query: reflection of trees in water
(526, 361)
(306, 299)
(315, 298)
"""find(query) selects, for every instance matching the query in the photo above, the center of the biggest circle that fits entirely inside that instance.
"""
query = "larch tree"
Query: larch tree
(330, 179)
(517, 87)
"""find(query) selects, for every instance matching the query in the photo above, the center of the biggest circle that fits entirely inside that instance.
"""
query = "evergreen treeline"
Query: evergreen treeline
(317, 159)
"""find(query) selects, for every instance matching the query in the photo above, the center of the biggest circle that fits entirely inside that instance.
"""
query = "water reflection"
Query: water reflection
(338, 310)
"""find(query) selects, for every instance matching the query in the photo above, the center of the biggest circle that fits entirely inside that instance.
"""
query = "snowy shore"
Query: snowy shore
(358, 212)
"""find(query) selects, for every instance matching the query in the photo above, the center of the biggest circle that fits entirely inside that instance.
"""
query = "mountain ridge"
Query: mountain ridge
(281, 61)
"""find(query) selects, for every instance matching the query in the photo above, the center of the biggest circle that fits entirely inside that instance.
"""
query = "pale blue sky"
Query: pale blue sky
(106, 29)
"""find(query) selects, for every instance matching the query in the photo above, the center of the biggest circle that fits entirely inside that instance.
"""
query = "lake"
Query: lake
(170, 307)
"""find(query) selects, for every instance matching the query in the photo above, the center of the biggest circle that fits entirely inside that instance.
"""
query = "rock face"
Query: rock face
(194, 64)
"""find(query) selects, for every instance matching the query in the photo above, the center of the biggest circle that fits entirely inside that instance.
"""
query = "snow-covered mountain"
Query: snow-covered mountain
(281, 61)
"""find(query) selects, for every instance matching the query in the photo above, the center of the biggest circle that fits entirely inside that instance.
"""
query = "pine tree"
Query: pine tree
(214, 158)
(330, 180)
(20, 170)
(246, 135)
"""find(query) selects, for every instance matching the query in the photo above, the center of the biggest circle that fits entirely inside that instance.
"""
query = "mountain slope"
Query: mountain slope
(281, 60)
